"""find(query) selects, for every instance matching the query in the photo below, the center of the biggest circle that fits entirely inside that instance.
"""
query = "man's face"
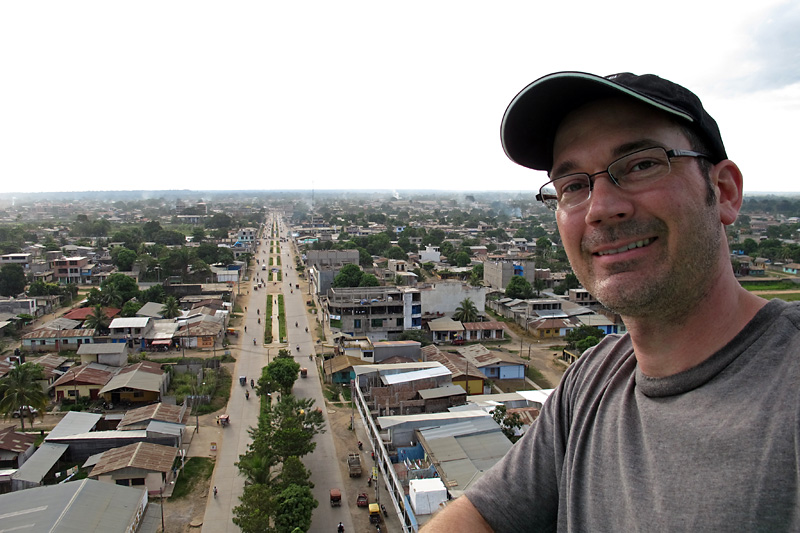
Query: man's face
(652, 252)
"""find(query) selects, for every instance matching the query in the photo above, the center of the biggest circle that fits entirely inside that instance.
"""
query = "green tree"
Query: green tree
(295, 504)
(519, 287)
(466, 311)
(575, 336)
(395, 252)
(123, 258)
(198, 234)
(364, 257)
(749, 246)
(98, 319)
(508, 422)
(256, 510)
(12, 280)
(348, 276)
(130, 308)
(171, 308)
(368, 280)
(282, 373)
(539, 285)
(150, 229)
(20, 388)
(124, 285)
(461, 259)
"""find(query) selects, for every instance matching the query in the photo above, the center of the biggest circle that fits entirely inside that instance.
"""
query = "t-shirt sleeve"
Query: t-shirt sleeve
(520, 493)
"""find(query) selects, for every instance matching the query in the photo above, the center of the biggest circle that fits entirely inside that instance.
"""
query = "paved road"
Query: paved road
(252, 358)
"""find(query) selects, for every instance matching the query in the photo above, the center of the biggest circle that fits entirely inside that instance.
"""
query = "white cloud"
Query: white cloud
(267, 95)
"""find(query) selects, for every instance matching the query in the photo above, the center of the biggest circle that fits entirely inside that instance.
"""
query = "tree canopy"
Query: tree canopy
(12, 280)
(519, 287)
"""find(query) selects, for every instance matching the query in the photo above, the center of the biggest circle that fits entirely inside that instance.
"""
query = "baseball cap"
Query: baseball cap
(533, 116)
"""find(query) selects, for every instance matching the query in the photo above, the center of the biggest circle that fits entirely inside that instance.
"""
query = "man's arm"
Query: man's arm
(459, 515)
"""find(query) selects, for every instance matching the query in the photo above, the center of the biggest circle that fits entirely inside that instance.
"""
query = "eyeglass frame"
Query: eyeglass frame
(551, 200)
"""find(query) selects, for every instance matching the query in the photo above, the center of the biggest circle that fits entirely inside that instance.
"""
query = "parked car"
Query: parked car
(26, 411)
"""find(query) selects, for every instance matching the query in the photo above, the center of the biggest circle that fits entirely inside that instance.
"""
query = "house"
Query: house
(141, 464)
(550, 328)
(83, 381)
(339, 369)
(87, 505)
(582, 297)
(15, 448)
(81, 313)
(140, 383)
(478, 331)
(111, 354)
(445, 330)
(141, 417)
(48, 340)
(72, 270)
(494, 364)
(131, 330)
(152, 310)
(440, 399)
(603, 323)
(464, 374)
(791, 268)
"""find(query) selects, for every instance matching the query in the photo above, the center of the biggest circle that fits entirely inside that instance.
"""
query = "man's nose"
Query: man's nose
(607, 201)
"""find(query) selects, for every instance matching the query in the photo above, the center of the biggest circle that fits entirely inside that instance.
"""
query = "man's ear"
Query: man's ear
(728, 181)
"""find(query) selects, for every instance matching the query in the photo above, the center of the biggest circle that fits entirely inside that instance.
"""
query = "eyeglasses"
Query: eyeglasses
(634, 172)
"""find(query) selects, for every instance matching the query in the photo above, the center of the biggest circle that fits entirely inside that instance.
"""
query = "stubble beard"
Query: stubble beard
(674, 286)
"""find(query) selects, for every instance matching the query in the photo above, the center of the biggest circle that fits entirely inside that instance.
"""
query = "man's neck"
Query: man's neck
(665, 346)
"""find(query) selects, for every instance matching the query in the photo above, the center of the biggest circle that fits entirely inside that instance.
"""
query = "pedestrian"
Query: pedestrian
(648, 430)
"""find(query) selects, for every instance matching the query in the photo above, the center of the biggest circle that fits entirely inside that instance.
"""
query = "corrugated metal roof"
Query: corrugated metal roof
(15, 442)
(445, 324)
(369, 369)
(58, 334)
(476, 326)
(129, 322)
(442, 392)
(143, 455)
(137, 380)
(386, 422)
(105, 348)
(157, 411)
(82, 506)
(73, 423)
(414, 375)
(89, 374)
(39, 464)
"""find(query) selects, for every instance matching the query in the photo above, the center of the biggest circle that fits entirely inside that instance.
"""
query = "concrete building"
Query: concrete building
(497, 274)
(443, 297)
(380, 313)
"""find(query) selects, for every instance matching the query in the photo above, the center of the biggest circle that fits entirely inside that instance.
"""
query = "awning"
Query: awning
(162, 341)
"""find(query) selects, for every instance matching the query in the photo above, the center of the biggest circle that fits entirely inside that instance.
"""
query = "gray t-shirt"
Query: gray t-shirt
(714, 448)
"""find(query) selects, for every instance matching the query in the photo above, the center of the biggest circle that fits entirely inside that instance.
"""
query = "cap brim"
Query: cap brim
(532, 118)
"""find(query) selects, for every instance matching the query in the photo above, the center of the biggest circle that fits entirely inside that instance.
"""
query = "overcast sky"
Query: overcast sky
(157, 95)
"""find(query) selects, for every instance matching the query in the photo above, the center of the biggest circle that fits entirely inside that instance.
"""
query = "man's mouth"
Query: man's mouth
(631, 246)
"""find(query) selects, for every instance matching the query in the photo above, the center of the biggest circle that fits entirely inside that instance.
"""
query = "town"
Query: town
(290, 361)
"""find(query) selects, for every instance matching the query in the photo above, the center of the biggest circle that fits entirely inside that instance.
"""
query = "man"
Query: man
(689, 422)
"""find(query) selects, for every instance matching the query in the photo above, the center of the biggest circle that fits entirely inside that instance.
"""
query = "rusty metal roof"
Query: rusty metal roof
(157, 411)
(88, 374)
(58, 334)
(15, 442)
(474, 326)
(143, 455)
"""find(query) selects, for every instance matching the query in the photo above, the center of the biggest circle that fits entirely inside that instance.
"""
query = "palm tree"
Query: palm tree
(20, 389)
(466, 311)
(171, 309)
(111, 296)
(98, 319)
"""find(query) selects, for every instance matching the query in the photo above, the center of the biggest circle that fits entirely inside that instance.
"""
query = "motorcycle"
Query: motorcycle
(254, 342)
(259, 320)
(252, 384)
(247, 395)
(298, 347)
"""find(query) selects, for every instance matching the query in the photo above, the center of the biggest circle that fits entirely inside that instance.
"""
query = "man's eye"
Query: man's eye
(571, 185)
(646, 166)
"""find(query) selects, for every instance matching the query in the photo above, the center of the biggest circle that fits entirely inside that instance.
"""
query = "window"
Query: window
(138, 394)
(377, 322)
(357, 323)
(399, 322)
(72, 392)
(137, 481)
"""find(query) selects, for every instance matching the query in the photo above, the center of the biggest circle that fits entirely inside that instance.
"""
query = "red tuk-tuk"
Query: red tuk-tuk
(224, 420)
(336, 498)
